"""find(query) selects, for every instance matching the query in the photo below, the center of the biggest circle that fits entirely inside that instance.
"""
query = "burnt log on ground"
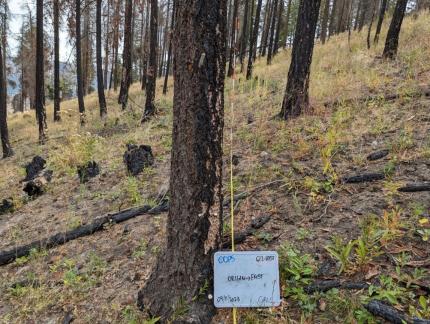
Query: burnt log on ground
(387, 97)
(390, 314)
(326, 285)
(240, 237)
(9, 256)
(364, 177)
(415, 187)
(378, 155)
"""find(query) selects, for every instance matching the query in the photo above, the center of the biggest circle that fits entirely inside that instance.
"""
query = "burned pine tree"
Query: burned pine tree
(4, 133)
(56, 12)
(382, 10)
(126, 56)
(296, 97)
(392, 40)
(40, 57)
(324, 21)
(253, 41)
(234, 31)
(272, 28)
(169, 51)
(151, 72)
(99, 63)
(194, 222)
(245, 35)
(79, 81)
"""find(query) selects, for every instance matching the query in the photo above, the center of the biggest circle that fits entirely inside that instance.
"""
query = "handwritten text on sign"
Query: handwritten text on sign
(246, 279)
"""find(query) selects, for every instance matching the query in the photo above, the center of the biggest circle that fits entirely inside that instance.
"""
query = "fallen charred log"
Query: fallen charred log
(415, 187)
(364, 177)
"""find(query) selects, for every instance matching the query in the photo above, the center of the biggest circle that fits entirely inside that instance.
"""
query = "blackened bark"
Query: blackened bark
(107, 43)
(296, 97)
(151, 75)
(39, 92)
(244, 40)
(266, 27)
(357, 14)
(169, 52)
(234, 30)
(80, 87)
(272, 32)
(100, 83)
(324, 22)
(331, 28)
(369, 30)
(195, 217)
(365, 5)
(4, 132)
(380, 20)
(278, 27)
(287, 23)
(392, 41)
(56, 8)
(145, 51)
(253, 42)
(126, 56)
(165, 37)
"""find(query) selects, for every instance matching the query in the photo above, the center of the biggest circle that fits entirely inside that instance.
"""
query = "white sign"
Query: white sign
(246, 279)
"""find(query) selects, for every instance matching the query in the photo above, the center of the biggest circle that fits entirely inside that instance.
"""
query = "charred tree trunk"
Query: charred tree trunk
(4, 133)
(165, 37)
(287, 23)
(278, 27)
(107, 43)
(151, 77)
(195, 217)
(100, 83)
(266, 27)
(272, 32)
(80, 88)
(234, 30)
(331, 28)
(380, 20)
(169, 52)
(253, 42)
(324, 22)
(40, 107)
(357, 14)
(244, 40)
(145, 51)
(392, 41)
(296, 97)
(369, 30)
(127, 64)
(56, 8)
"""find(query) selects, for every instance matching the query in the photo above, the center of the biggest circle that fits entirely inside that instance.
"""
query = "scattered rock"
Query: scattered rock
(68, 318)
(37, 186)
(378, 155)
(88, 171)
(33, 168)
(250, 119)
(6, 206)
(137, 158)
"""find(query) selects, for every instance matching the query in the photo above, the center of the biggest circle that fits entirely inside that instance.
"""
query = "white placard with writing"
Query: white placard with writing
(246, 279)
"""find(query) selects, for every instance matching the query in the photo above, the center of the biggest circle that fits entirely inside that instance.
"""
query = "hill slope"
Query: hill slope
(297, 168)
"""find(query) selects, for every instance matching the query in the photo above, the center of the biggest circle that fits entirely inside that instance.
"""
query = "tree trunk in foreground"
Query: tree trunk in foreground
(195, 216)
(392, 41)
(39, 91)
(253, 41)
(100, 83)
(296, 96)
(380, 20)
(80, 86)
(57, 116)
(4, 133)
(126, 63)
(151, 74)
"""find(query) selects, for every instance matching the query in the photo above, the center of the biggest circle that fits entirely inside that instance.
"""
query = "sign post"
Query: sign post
(246, 279)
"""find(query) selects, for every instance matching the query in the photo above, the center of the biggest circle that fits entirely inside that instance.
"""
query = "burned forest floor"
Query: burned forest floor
(328, 184)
